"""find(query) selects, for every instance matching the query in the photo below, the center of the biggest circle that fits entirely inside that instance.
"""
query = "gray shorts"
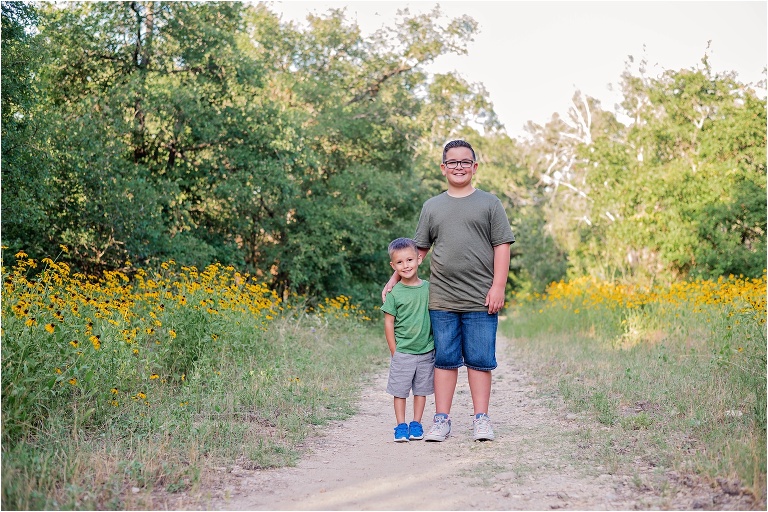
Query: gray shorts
(411, 371)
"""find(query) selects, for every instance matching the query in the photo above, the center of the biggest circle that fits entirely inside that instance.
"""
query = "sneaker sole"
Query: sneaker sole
(401, 439)
(436, 438)
(414, 438)
(484, 437)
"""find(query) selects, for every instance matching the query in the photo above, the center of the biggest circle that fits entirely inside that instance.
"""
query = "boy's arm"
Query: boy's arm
(390, 284)
(396, 277)
(389, 332)
(495, 298)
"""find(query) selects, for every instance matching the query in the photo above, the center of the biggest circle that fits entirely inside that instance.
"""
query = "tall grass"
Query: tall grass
(120, 384)
(675, 377)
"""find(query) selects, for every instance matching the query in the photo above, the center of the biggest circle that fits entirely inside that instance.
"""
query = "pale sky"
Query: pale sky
(532, 56)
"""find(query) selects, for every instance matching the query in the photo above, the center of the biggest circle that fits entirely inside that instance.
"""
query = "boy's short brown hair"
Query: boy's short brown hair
(401, 243)
(459, 144)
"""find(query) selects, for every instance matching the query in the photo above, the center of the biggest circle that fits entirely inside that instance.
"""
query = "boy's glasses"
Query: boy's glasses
(454, 164)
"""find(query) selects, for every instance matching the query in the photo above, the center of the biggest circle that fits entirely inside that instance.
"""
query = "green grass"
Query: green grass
(670, 388)
(117, 386)
(252, 405)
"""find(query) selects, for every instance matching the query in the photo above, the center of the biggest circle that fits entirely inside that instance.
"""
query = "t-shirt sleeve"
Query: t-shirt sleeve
(501, 231)
(389, 305)
(422, 237)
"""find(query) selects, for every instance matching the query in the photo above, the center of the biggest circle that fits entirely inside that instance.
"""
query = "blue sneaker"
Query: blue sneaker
(401, 433)
(415, 431)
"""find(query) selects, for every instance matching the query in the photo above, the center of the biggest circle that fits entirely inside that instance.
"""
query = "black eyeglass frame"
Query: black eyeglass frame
(454, 164)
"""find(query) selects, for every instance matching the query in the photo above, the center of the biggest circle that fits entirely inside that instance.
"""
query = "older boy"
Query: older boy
(469, 233)
(409, 335)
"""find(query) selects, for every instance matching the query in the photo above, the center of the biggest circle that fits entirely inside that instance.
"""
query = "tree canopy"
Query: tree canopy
(138, 132)
(203, 132)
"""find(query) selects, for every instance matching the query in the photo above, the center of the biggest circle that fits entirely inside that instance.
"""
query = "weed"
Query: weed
(143, 383)
(675, 376)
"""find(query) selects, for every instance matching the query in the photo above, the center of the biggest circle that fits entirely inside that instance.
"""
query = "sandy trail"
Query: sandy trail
(540, 460)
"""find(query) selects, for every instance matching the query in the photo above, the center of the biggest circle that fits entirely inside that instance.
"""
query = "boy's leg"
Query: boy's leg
(400, 410)
(415, 428)
(446, 327)
(479, 331)
(401, 371)
(402, 368)
(423, 385)
(401, 430)
(480, 389)
(479, 347)
(419, 402)
(445, 387)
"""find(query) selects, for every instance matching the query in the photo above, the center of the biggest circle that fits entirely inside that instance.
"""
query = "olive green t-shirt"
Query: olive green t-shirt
(462, 232)
(410, 307)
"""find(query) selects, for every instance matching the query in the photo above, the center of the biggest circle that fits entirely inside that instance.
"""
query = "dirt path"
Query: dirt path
(537, 462)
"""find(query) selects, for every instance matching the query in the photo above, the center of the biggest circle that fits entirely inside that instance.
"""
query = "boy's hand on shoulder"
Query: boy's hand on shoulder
(495, 299)
(387, 288)
(384, 293)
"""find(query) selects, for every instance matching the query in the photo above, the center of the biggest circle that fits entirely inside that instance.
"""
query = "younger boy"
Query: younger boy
(409, 335)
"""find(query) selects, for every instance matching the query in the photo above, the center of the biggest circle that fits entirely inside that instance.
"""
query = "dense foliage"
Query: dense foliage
(215, 132)
(124, 383)
(678, 192)
(211, 132)
(142, 141)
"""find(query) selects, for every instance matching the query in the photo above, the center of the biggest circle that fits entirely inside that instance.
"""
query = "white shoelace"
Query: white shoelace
(483, 424)
(437, 426)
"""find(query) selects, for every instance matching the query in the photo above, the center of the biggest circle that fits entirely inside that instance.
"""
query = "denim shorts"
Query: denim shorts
(464, 339)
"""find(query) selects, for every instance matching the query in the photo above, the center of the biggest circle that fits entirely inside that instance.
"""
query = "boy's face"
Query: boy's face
(405, 262)
(460, 176)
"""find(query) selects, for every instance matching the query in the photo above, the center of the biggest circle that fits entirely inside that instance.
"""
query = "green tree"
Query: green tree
(561, 213)
(365, 111)
(26, 153)
(212, 131)
(678, 192)
(163, 116)
(683, 193)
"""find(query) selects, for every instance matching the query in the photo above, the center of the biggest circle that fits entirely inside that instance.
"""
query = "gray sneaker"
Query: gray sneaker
(441, 428)
(482, 430)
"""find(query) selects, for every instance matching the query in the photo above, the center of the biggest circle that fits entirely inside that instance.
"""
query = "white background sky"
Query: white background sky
(532, 56)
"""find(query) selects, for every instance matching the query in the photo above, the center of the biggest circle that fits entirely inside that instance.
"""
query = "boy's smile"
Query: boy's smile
(460, 176)
(406, 263)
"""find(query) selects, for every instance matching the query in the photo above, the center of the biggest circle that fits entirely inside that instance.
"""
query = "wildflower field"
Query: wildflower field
(674, 377)
(132, 382)
(127, 382)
